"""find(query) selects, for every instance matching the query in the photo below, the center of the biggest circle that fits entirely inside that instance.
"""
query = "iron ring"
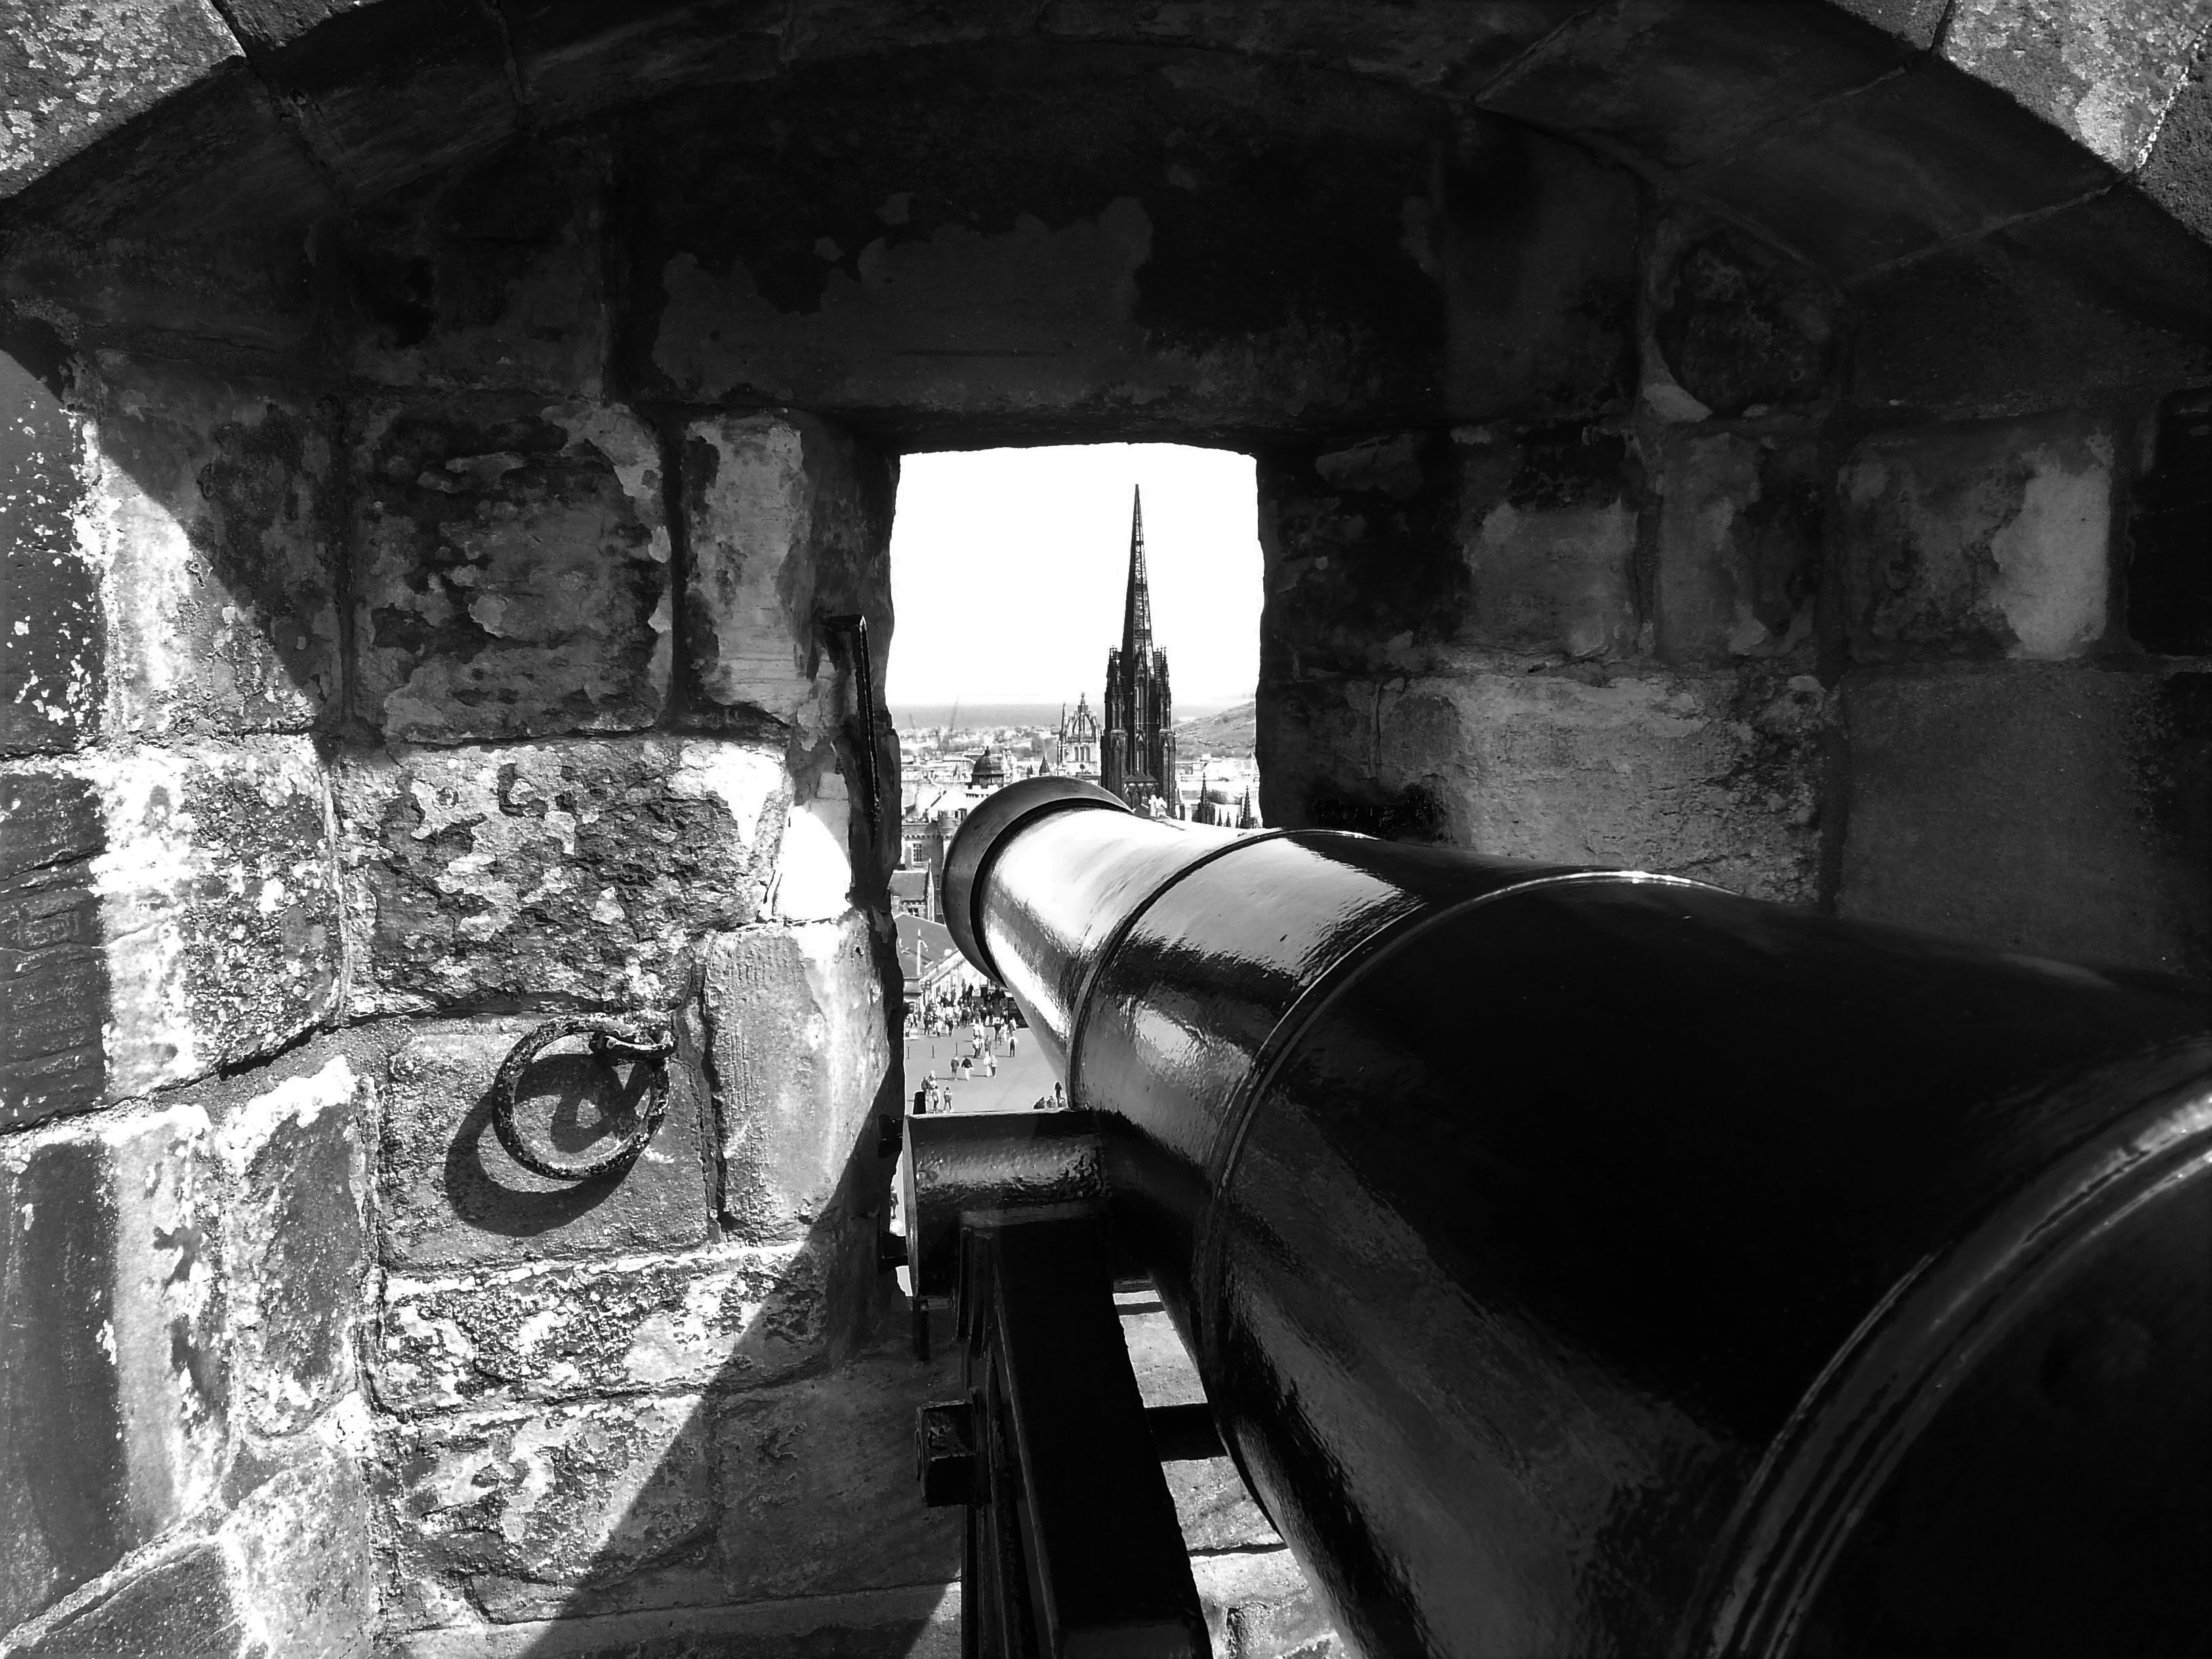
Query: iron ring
(648, 1038)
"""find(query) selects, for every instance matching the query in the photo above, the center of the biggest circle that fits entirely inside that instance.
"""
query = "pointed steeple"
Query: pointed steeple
(1137, 608)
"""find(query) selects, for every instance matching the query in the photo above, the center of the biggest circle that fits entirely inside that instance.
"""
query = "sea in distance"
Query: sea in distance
(920, 716)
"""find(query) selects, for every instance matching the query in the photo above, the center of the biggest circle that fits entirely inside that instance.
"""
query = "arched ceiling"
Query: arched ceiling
(1859, 133)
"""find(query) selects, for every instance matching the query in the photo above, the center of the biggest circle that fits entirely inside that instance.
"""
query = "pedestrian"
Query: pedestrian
(1010, 1045)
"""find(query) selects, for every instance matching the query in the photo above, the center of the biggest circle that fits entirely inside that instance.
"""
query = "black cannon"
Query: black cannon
(1577, 1262)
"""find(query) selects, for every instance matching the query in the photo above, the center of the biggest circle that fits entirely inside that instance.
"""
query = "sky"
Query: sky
(1008, 567)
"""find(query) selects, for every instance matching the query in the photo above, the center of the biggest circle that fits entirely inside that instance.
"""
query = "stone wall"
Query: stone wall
(1933, 660)
(371, 724)
(1760, 441)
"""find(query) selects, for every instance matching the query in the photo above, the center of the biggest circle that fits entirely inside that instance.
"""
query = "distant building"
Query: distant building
(1075, 750)
(913, 893)
(1137, 757)
(989, 772)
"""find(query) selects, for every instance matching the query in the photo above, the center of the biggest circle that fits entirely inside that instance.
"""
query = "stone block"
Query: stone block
(511, 570)
(1180, 287)
(727, 1319)
(789, 520)
(186, 1603)
(183, 901)
(52, 1044)
(52, 679)
(801, 1060)
(818, 1488)
(2103, 70)
(490, 280)
(581, 869)
(295, 1240)
(449, 1194)
(2178, 175)
(1741, 327)
(1738, 554)
(1715, 776)
(1914, 161)
(2058, 810)
(2046, 313)
(305, 1561)
(1259, 1605)
(1549, 536)
(918, 1621)
(112, 1380)
(384, 96)
(1978, 540)
(1363, 569)
(1422, 47)
(1214, 1509)
(77, 73)
(216, 511)
(1663, 80)
(568, 1511)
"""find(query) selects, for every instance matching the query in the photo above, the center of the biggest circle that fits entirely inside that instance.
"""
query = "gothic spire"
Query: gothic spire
(1137, 609)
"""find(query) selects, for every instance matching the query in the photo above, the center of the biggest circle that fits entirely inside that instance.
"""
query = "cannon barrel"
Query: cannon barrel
(1586, 1262)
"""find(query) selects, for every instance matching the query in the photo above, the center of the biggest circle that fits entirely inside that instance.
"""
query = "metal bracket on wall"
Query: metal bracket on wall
(852, 629)
(645, 1040)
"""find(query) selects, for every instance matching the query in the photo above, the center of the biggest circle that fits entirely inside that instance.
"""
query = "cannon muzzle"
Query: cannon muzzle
(1584, 1263)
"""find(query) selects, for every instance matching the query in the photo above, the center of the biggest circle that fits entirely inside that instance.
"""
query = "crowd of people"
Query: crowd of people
(987, 1028)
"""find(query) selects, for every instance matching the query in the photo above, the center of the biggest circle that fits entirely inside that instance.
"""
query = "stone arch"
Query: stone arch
(1752, 439)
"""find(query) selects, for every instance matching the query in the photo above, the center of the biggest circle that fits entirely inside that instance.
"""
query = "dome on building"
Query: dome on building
(990, 771)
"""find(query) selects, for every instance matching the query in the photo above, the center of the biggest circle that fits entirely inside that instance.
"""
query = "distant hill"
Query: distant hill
(1231, 731)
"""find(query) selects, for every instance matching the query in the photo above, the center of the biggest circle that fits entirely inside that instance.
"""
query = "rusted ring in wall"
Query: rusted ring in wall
(646, 1039)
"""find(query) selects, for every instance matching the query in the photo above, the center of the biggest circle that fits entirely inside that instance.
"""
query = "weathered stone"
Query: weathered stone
(2178, 175)
(581, 869)
(450, 1194)
(184, 1604)
(2000, 326)
(1259, 1606)
(818, 1487)
(214, 499)
(1094, 270)
(1364, 567)
(801, 1064)
(919, 1621)
(1658, 79)
(730, 1319)
(2169, 527)
(296, 1242)
(789, 520)
(52, 1044)
(197, 902)
(1715, 776)
(1549, 537)
(1979, 539)
(386, 95)
(575, 1510)
(512, 570)
(1742, 328)
(1532, 242)
(1910, 163)
(51, 668)
(490, 280)
(2057, 810)
(77, 73)
(112, 1382)
(1215, 1510)
(1739, 545)
(306, 1559)
(2104, 71)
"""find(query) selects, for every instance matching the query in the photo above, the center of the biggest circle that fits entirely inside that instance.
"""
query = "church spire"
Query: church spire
(1137, 609)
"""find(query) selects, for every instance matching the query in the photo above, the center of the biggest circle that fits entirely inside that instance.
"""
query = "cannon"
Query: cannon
(1577, 1262)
